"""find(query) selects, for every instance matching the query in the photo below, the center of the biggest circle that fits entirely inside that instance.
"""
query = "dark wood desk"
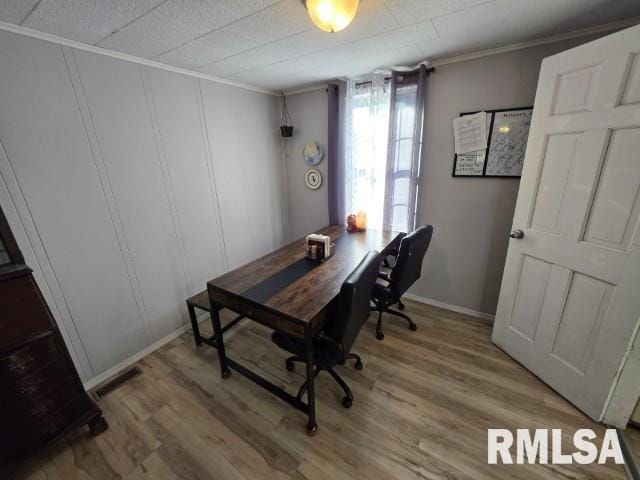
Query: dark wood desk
(286, 292)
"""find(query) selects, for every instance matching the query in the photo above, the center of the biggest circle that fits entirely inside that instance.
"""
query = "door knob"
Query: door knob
(517, 234)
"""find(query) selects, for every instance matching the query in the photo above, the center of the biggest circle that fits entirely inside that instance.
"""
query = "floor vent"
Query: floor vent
(116, 382)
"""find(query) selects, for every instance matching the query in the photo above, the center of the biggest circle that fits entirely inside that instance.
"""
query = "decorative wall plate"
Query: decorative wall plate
(313, 179)
(312, 153)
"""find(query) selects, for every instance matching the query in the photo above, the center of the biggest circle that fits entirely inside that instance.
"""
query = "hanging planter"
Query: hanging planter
(286, 129)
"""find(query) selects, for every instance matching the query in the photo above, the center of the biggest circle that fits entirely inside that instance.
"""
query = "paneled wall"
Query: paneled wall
(128, 187)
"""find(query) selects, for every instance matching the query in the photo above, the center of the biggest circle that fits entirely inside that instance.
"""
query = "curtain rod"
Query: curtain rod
(386, 79)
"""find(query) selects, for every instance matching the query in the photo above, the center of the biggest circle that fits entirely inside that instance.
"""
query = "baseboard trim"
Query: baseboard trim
(89, 384)
(447, 306)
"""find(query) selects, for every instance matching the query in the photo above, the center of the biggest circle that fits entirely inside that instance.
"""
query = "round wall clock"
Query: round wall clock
(312, 153)
(313, 179)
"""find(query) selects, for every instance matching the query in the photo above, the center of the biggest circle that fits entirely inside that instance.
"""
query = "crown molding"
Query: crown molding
(317, 86)
(124, 56)
(627, 22)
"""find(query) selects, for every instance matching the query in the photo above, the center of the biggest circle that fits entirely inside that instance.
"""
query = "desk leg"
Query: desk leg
(194, 324)
(217, 331)
(312, 426)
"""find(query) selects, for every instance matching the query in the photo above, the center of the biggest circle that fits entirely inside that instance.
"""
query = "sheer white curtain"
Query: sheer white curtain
(365, 147)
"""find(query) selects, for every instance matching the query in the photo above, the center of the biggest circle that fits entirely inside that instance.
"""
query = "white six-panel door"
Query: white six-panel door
(570, 296)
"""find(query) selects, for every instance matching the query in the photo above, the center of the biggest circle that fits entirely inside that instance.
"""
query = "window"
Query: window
(382, 148)
(402, 185)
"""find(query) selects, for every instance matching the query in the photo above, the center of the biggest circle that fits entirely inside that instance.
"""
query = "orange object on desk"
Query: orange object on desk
(351, 223)
(361, 220)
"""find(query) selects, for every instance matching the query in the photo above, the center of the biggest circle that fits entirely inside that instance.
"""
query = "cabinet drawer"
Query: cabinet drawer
(35, 384)
(25, 360)
(23, 313)
(17, 440)
(38, 407)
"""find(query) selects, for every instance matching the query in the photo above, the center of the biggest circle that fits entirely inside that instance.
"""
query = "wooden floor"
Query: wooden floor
(422, 407)
(632, 434)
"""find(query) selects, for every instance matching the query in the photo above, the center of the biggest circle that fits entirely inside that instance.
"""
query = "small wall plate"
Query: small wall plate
(313, 179)
(312, 153)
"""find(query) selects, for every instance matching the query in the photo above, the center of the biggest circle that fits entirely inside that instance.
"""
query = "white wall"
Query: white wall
(308, 210)
(128, 187)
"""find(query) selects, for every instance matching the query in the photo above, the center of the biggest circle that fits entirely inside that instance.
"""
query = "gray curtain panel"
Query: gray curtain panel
(336, 92)
(404, 148)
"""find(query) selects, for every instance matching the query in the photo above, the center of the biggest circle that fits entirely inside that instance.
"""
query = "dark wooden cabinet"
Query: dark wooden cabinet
(42, 394)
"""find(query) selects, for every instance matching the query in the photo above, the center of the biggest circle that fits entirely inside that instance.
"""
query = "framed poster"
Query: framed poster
(508, 142)
(503, 157)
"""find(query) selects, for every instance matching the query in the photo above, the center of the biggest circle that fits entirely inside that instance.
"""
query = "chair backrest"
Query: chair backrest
(408, 266)
(351, 309)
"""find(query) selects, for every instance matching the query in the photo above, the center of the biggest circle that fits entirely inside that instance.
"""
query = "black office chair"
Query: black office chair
(347, 314)
(389, 261)
(405, 271)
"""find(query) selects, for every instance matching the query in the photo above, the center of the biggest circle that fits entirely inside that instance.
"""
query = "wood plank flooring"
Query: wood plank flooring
(421, 410)
(632, 434)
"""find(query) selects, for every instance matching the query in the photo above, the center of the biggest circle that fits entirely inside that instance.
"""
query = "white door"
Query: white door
(570, 296)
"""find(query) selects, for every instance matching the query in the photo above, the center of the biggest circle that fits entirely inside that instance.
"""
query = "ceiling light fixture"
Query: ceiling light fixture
(332, 15)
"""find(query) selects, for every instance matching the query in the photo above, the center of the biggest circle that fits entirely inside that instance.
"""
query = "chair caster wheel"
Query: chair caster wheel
(359, 365)
(226, 373)
(347, 402)
(380, 335)
(413, 327)
(290, 366)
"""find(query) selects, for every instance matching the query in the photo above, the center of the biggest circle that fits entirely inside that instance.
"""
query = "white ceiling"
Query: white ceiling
(272, 44)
